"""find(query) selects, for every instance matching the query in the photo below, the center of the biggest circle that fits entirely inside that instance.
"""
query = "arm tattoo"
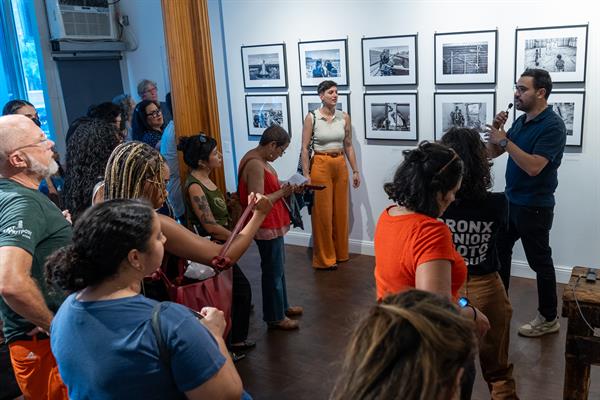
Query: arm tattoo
(206, 217)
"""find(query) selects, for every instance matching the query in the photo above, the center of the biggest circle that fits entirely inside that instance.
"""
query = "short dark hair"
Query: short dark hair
(196, 148)
(325, 85)
(107, 111)
(477, 179)
(541, 79)
(102, 239)
(274, 133)
(429, 169)
(13, 106)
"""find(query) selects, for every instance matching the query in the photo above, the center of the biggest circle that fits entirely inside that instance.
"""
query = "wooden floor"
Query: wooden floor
(304, 364)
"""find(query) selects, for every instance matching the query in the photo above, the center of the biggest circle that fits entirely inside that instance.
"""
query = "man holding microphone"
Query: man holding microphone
(535, 144)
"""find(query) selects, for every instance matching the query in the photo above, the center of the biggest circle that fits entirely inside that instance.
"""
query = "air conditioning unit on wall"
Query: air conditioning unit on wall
(82, 20)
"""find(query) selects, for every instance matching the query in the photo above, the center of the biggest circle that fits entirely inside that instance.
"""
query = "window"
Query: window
(21, 69)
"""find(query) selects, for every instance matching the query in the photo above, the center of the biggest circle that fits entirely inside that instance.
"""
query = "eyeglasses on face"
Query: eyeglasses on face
(155, 114)
(520, 89)
(151, 90)
(40, 143)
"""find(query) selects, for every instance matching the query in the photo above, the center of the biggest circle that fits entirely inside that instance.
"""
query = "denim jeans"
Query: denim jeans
(532, 225)
(272, 264)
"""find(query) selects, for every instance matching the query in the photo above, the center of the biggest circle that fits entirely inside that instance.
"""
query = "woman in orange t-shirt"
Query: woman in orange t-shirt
(412, 248)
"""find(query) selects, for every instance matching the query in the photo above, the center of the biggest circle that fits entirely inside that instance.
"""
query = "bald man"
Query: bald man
(31, 228)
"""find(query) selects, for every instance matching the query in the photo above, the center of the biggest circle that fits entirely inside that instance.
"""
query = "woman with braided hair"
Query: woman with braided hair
(137, 171)
(412, 346)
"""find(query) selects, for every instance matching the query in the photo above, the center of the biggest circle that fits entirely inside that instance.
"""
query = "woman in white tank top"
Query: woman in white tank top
(330, 131)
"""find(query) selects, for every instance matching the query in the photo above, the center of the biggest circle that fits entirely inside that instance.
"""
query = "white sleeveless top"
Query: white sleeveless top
(329, 135)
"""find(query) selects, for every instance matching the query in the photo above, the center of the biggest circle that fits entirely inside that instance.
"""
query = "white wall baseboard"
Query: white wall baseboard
(519, 268)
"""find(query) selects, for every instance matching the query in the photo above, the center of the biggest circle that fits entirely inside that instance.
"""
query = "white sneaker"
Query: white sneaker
(539, 326)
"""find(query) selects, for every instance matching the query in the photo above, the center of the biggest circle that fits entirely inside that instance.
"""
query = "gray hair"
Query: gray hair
(143, 85)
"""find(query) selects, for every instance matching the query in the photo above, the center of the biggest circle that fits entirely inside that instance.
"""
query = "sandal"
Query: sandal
(285, 324)
(294, 311)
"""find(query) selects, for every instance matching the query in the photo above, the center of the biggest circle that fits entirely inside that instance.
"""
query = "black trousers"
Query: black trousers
(240, 308)
(532, 225)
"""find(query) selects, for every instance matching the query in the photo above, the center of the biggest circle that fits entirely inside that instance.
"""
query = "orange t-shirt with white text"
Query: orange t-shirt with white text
(404, 242)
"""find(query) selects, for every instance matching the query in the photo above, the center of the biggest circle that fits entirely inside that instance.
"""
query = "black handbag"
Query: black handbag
(306, 198)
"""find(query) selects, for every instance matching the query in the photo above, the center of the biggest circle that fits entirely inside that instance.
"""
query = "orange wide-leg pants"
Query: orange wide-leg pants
(330, 210)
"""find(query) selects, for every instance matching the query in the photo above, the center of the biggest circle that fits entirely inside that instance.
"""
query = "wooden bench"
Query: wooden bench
(582, 347)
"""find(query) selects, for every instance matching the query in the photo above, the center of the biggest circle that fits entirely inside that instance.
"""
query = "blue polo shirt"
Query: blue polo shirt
(545, 135)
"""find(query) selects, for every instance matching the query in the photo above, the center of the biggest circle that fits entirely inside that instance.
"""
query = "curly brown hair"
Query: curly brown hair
(477, 178)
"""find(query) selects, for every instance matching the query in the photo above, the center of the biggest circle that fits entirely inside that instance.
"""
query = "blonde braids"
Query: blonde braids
(129, 166)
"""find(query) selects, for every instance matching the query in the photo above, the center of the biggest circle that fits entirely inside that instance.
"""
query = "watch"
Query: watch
(463, 302)
(503, 143)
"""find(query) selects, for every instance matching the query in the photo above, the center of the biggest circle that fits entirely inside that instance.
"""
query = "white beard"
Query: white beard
(40, 169)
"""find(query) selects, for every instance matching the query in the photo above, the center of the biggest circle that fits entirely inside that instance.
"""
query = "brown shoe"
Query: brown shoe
(294, 311)
(285, 324)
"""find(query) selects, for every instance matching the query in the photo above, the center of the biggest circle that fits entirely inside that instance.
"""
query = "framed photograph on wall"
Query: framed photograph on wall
(570, 107)
(323, 59)
(264, 66)
(391, 116)
(389, 60)
(264, 110)
(560, 50)
(465, 57)
(311, 102)
(463, 110)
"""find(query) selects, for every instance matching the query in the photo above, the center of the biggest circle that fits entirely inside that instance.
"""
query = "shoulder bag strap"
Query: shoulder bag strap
(163, 352)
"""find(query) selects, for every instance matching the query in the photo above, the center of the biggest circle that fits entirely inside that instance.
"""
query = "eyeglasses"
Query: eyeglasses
(152, 90)
(520, 89)
(41, 142)
(154, 114)
(454, 157)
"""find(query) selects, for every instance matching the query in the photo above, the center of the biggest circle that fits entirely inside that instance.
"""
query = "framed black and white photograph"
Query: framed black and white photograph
(389, 60)
(463, 110)
(264, 110)
(264, 66)
(323, 60)
(465, 57)
(391, 116)
(560, 50)
(311, 102)
(569, 106)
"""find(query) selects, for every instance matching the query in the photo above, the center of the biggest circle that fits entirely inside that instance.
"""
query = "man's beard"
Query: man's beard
(40, 169)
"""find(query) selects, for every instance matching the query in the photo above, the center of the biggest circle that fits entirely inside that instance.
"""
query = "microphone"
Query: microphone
(508, 108)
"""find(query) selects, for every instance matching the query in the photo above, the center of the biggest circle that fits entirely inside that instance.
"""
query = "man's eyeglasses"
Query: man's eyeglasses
(41, 142)
(151, 90)
(520, 89)
(155, 113)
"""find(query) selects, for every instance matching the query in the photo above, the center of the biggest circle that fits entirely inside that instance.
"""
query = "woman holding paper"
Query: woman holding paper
(330, 131)
(256, 175)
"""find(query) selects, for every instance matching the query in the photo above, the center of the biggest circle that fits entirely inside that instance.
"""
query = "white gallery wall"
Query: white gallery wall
(576, 230)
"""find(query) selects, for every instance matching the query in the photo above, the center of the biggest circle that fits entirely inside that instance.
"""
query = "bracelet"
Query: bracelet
(355, 172)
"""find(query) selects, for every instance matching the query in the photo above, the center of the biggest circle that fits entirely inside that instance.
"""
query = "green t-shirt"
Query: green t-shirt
(216, 203)
(30, 221)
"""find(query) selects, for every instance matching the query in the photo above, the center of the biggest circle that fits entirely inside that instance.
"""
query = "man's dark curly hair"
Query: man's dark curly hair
(477, 179)
(88, 150)
(429, 169)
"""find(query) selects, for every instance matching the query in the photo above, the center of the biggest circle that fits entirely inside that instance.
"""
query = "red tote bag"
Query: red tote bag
(212, 292)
